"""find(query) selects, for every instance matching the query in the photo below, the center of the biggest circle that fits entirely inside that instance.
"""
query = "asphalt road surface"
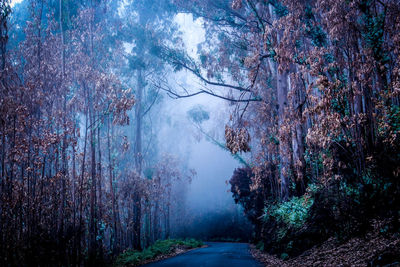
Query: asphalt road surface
(215, 255)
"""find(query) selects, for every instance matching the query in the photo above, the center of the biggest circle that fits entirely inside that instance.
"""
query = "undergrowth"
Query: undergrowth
(160, 247)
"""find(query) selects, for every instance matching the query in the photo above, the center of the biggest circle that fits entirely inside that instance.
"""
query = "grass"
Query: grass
(160, 247)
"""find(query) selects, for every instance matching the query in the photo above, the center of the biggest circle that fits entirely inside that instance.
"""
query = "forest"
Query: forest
(128, 125)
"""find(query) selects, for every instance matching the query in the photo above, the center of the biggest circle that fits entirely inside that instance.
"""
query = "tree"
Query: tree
(315, 119)
(145, 32)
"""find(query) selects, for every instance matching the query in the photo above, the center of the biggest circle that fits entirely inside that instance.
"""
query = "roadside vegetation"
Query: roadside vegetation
(161, 249)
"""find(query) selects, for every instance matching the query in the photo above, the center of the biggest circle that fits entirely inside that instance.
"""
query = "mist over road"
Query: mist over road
(215, 255)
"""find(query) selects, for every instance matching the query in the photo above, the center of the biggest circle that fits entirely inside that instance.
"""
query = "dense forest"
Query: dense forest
(309, 92)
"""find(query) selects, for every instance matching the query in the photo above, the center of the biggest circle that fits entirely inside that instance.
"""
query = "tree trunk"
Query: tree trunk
(99, 178)
(114, 234)
(297, 87)
(64, 169)
(284, 150)
(138, 158)
(81, 192)
(93, 183)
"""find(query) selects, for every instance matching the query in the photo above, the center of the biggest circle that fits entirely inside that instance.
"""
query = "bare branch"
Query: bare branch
(151, 105)
(171, 93)
(197, 73)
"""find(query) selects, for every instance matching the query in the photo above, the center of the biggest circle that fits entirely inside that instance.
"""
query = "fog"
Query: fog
(209, 192)
(134, 128)
(119, 125)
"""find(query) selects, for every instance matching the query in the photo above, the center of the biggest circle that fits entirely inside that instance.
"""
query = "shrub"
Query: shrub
(284, 256)
(160, 247)
(260, 245)
(293, 212)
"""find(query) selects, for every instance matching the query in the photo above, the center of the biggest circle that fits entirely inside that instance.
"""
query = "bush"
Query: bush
(160, 247)
(286, 225)
(284, 256)
(293, 212)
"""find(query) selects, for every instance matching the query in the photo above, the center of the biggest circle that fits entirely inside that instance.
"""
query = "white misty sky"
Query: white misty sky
(13, 2)
(213, 165)
(193, 32)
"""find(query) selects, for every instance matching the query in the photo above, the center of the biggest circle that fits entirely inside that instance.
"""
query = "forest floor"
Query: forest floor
(373, 249)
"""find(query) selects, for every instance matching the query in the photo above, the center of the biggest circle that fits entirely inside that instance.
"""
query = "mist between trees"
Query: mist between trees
(107, 105)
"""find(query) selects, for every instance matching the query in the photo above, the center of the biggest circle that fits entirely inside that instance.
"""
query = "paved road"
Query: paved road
(215, 255)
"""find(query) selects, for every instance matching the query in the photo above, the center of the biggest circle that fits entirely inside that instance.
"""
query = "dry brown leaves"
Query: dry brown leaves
(355, 252)
(237, 140)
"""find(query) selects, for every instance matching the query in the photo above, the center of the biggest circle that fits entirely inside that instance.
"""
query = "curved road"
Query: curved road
(215, 255)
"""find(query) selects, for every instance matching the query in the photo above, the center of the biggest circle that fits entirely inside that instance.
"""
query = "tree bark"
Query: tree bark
(284, 150)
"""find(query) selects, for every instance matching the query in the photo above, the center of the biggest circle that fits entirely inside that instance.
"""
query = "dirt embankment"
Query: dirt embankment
(374, 249)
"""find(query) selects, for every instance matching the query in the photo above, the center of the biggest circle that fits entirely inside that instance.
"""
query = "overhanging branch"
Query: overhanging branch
(171, 93)
(197, 73)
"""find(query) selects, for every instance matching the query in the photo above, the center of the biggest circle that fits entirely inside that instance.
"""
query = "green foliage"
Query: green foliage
(148, 173)
(198, 114)
(273, 139)
(260, 245)
(192, 243)
(373, 34)
(203, 59)
(314, 31)
(155, 50)
(160, 247)
(349, 190)
(390, 124)
(284, 256)
(394, 118)
(293, 212)
(312, 188)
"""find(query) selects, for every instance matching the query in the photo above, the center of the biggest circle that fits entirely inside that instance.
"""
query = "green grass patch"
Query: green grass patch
(160, 247)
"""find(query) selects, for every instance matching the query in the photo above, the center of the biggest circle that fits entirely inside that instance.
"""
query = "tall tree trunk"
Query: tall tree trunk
(114, 233)
(138, 119)
(138, 158)
(81, 192)
(93, 248)
(99, 177)
(284, 149)
(93, 190)
(298, 99)
(64, 142)
(74, 202)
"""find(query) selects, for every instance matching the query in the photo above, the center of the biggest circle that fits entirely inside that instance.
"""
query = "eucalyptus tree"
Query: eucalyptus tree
(318, 117)
(147, 25)
(60, 75)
